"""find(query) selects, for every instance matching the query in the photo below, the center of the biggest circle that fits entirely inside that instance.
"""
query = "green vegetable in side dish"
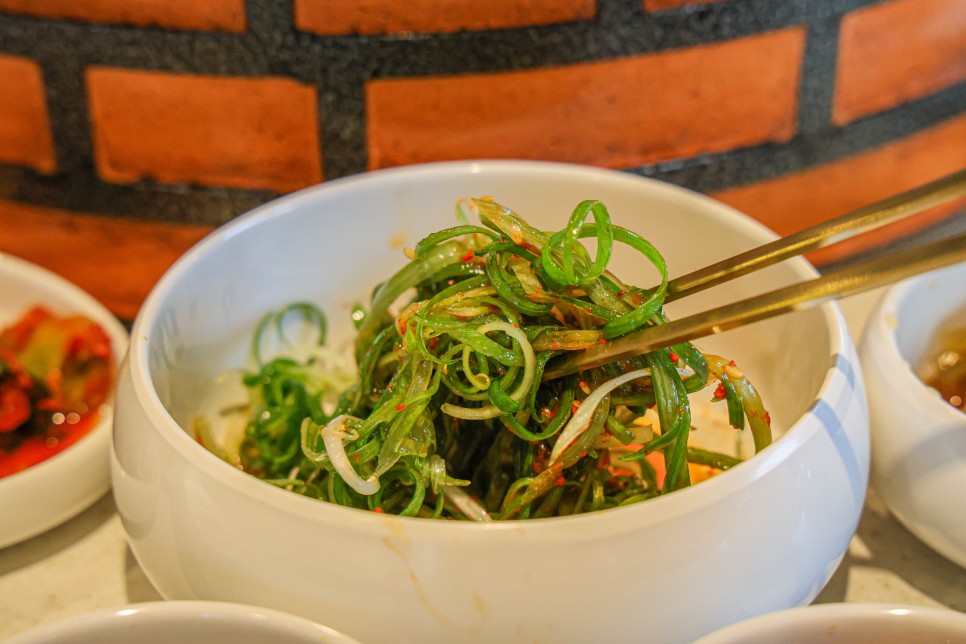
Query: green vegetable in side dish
(447, 416)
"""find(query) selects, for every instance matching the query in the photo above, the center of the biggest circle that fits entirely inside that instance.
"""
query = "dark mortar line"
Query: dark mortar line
(82, 191)
(817, 88)
(340, 66)
(66, 93)
(621, 29)
(734, 168)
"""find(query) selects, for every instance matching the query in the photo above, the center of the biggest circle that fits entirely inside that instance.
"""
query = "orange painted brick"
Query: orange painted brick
(218, 131)
(663, 5)
(208, 15)
(898, 51)
(617, 113)
(116, 260)
(795, 201)
(372, 17)
(25, 137)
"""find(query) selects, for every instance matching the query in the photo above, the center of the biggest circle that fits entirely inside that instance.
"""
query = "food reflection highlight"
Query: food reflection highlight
(446, 415)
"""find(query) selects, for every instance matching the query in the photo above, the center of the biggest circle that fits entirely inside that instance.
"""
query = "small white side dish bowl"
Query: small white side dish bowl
(918, 439)
(49, 493)
(832, 623)
(763, 536)
(184, 621)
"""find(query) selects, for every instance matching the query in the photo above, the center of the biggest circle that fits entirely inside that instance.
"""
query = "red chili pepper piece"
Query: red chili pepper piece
(14, 407)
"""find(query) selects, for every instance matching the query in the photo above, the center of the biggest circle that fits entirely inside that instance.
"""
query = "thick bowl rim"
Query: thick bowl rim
(708, 492)
(819, 614)
(96, 441)
(179, 610)
(881, 330)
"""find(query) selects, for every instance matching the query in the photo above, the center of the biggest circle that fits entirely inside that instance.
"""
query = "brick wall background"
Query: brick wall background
(134, 127)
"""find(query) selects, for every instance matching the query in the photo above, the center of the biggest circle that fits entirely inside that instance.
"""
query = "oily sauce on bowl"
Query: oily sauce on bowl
(945, 371)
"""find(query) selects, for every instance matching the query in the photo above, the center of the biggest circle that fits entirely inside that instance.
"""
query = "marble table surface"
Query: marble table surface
(85, 564)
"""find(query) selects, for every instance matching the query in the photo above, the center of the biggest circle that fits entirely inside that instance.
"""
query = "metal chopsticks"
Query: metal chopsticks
(821, 235)
(879, 271)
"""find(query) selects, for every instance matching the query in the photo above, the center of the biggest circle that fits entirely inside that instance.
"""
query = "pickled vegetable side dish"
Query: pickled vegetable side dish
(55, 373)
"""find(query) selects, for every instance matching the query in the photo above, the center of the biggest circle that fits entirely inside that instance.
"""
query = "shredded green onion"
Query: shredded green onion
(446, 415)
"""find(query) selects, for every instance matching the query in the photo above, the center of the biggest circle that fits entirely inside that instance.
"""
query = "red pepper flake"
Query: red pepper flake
(674, 357)
(732, 363)
(720, 391)
(400, 407)
(101, 350)
(378, 510)
(560, 481)
(620, 293)
(551, 413)
(468, 256)
(652, 405)
(573, 406)
(355, 457)
(433, 342)
(602, 341)
(75, 345)
(768, 419)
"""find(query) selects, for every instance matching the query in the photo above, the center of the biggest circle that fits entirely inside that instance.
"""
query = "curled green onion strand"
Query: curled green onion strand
(446, 415)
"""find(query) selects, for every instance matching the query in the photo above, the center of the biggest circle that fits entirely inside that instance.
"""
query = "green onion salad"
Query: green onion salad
(446, 415)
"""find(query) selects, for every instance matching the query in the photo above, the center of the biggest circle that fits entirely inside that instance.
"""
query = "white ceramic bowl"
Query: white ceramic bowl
(185, 621)
(919, 441)
(833, 623)
(54, 490)
(763, 536)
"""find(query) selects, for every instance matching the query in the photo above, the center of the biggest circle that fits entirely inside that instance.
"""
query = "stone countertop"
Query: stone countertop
(85, 564)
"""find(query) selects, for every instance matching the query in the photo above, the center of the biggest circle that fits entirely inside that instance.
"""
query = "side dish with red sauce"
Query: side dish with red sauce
(55, 373)
(945, 371)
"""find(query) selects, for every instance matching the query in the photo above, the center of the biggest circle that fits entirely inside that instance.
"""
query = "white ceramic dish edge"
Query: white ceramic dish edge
(159, 622)
(842, 381)
(919, 441)
(869, 622)
(39, 493)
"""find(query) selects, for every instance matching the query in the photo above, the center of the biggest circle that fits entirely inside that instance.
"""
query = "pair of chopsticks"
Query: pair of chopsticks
(862, 276)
